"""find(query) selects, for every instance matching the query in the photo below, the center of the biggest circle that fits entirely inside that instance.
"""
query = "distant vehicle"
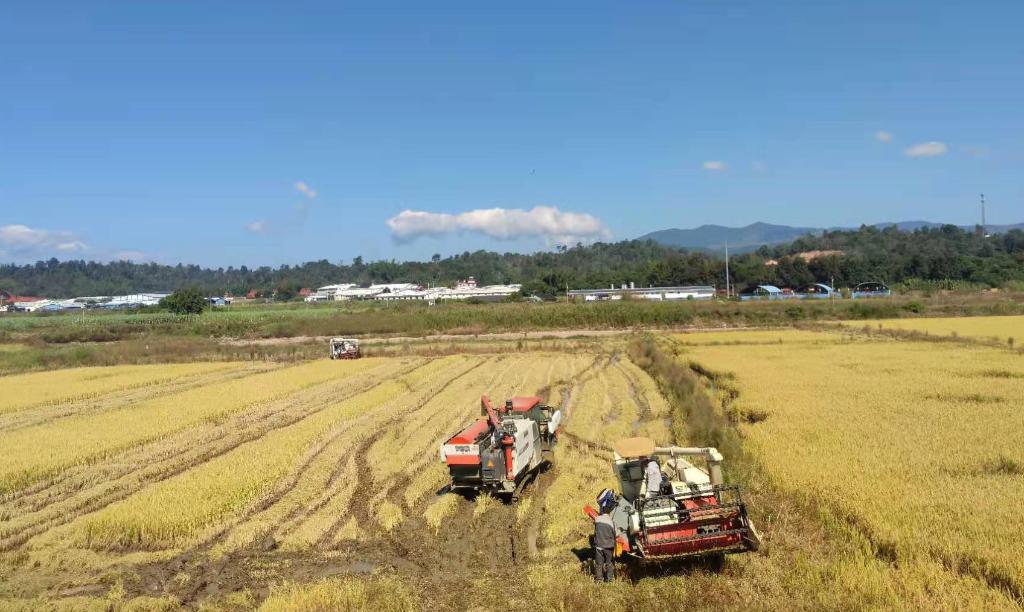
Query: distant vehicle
(870, 290)
(345, 348)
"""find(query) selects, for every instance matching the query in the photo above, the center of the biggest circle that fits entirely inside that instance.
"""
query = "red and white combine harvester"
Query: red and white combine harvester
(345, 348)
(694, 513)
(501, 452)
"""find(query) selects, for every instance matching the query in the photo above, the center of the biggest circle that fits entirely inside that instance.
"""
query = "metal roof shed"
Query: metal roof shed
(817, 290)
(869, 290)
(762, 292)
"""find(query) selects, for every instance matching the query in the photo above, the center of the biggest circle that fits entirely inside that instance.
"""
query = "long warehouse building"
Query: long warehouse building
(689, 292)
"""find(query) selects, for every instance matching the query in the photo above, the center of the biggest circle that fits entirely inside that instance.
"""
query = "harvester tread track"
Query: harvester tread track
(526, 480)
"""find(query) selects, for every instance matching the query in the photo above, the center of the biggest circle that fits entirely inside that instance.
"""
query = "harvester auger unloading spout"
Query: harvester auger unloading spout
(502, 451)
(694, 514)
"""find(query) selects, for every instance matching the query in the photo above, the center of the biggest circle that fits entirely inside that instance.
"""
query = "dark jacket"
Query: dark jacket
(604, 532)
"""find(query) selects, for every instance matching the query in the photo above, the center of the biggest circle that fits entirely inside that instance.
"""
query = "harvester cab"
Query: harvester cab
(693, 514)
(501, 452)
(344, 348)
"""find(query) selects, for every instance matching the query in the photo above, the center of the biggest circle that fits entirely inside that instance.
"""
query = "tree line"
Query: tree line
(888, 255)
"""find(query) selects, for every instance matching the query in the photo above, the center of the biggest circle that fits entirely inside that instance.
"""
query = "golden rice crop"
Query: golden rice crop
(916, 445)
(999, 329)
(436, 513)
(618, 401)
(384, 594)
(34, 452)
(63, 386)
(171, 512)
(745, 337)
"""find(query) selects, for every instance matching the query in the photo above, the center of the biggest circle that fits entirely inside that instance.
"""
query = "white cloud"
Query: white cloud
(547, 222)
(714, 166)
(305, 190)
(927, 149)
(883, 136)
(257, 227)
(23, 242)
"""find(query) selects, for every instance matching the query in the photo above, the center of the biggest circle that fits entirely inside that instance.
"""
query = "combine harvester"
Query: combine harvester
(693, 515)
(502, 452)
(345, 348)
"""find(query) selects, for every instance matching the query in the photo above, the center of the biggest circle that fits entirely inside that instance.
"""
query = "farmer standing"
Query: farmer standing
(604, 538)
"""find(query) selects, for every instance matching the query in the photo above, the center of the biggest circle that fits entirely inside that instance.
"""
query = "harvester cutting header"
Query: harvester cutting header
(691, 513)
(502, 451)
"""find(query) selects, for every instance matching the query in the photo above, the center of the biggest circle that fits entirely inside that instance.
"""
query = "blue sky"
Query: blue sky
(266, 133)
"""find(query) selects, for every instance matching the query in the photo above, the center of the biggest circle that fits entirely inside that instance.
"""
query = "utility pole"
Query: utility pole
(984, 233)
(728, 287)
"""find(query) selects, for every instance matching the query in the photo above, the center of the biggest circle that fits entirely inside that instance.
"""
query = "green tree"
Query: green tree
(185, 301)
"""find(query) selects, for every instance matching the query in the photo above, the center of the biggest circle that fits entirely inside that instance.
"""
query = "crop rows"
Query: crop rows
(170, 513)
(90, 437)
(84, 487)
(25, 391)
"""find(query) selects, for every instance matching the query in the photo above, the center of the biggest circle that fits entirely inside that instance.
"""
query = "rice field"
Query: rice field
(317, 458)
(913, 448)
(1007, 329)
(883, 474)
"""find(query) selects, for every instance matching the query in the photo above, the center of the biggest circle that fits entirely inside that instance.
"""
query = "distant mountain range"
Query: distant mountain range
(750, 237)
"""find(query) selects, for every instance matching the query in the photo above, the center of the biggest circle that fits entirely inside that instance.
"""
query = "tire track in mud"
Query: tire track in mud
(47, 413)
(447, 564)
(387, 489)
(456, 421)
(470, 546)
(535, 516)
(397, 548)
(600, 364)
(88, 488)
(231, 568)
(289, 483)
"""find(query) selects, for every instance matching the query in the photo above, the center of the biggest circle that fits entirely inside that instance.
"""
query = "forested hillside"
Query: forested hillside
(940, 254)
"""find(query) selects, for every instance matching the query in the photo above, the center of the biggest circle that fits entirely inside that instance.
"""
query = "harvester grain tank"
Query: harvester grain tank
(501, 452)
(694, 514)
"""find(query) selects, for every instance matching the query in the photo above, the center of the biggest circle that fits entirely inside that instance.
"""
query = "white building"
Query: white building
(491, 293)
(390, 292)
(329, 292)
(690, 292)
(411, 294)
